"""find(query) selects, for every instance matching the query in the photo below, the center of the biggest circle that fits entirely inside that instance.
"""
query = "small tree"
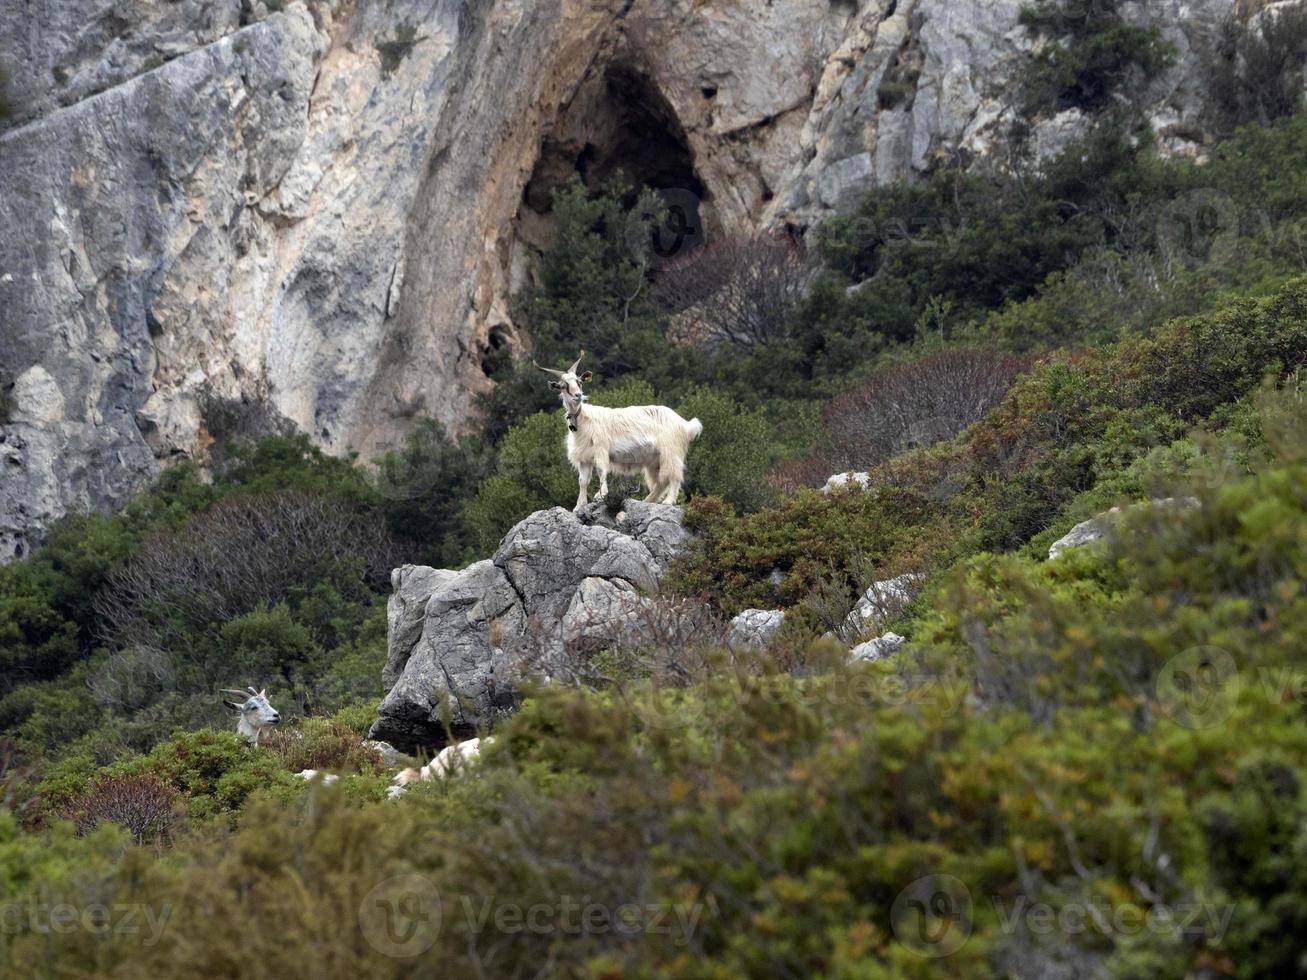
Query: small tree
(240, 554)
(1092, 52)
(140, 803)
(1257, 69)
(741, 291)
(918, 404)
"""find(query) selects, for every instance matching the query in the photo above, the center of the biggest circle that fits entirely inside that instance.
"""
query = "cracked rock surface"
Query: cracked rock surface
(558, 579)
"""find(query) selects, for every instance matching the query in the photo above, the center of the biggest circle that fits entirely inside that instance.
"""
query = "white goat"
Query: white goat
(647, 439)
(327, 778)
(448, 761)
(256, 713)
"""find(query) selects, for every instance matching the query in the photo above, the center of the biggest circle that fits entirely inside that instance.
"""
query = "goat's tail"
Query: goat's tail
(694, 427)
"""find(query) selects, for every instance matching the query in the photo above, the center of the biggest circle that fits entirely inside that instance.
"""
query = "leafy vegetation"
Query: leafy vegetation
(1092, 53)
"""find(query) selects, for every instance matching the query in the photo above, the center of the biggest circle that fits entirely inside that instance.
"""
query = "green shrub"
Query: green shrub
(324, 744)
(1074, 421)
(214, 771)
(731, 456)
(1092, 53)
(423, 488)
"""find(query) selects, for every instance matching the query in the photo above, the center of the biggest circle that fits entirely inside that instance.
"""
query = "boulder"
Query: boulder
(605, 611)
(559, 583)
(842, 481)
(755, 628)
(882, 646)
(883, 601)
(1098, 527)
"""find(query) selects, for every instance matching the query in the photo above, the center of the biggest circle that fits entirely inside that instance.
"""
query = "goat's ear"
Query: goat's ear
(588, 377)
(556, 385)
(233, 705)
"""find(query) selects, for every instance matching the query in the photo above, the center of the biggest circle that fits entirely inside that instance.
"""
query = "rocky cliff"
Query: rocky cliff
(314, 214)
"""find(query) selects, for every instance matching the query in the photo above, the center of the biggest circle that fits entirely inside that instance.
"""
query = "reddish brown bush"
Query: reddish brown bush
(741, 291)
(240, 554)
(918, 404)
(141, 804)
(906, 406)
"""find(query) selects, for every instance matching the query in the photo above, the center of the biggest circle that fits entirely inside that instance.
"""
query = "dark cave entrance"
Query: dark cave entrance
(619, 123)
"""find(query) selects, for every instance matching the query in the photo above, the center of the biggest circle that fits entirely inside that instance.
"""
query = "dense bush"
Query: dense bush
(238, 555)
(423, 488)
(1031, 747)
(141, 804)
(1257, 67)
(1075, 420)
(119, 684)
(918, 403)
(1091, 54)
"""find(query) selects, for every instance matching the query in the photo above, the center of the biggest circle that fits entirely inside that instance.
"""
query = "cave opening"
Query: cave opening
(619, 123)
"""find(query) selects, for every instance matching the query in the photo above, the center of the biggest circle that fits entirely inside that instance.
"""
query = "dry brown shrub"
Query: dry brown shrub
(741, 291)
(239, 555)
(141, 803)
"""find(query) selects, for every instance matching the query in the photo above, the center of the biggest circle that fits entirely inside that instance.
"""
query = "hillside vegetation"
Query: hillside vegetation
(1095, 763)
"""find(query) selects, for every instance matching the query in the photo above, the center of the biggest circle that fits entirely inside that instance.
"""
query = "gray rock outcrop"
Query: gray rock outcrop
(883, 601)
(881, 646)
(755, 628)
(558, 583)
(1099, 526)
(855, 479)
(412, 587)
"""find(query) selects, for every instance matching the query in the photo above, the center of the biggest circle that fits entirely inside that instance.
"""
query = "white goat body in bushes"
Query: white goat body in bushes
(448, 761)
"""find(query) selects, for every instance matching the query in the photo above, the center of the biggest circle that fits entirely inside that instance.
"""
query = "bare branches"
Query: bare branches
(140, 803)
(741, 291)
(235, 557)
(918, 404)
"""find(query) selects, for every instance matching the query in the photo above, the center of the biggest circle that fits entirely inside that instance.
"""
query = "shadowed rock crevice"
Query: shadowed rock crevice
(619, 124)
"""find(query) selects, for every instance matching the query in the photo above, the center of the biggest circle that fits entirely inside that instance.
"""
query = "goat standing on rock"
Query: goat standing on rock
(646, 439)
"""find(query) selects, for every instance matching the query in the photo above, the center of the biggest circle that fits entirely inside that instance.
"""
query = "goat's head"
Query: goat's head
(568, 385)
(255, 712)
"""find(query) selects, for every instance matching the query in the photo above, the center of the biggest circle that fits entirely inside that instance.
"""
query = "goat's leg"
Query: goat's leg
(601, 464)
(651, 480)
(583, 475)
(673, 472)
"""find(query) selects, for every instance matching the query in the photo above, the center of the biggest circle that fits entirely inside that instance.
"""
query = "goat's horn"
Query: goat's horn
(228, 690)
(576, 364)
(548, 370)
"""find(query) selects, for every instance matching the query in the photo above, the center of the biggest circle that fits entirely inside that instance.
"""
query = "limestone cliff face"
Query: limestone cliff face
(322, 210)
